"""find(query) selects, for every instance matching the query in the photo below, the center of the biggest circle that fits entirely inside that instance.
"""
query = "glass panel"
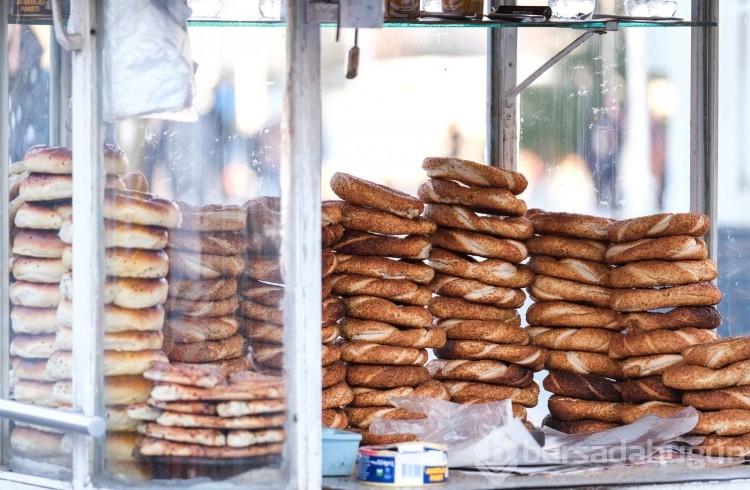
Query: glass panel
(605, 131)
(37, 262)
(418, 93)
(734, 168)
(221, 314)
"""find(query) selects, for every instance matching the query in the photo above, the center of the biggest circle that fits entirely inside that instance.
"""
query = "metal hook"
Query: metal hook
(69, 42)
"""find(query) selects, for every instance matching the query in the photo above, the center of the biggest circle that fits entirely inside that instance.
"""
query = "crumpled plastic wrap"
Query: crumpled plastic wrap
(486, 437)
(148, 64)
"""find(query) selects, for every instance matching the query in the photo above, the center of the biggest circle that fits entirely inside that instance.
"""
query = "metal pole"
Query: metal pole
(502, 118)
(704, 117)
(4, 227)
(301, 247)
(88, 228)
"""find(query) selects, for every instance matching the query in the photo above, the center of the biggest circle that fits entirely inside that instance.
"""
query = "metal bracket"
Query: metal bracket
(68, 41)
(65, 420)
(611, 26)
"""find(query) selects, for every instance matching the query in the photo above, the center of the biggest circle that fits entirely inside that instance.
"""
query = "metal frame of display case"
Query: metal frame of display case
(301, 179)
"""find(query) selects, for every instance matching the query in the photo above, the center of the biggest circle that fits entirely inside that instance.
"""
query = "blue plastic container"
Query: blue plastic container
(339, 451)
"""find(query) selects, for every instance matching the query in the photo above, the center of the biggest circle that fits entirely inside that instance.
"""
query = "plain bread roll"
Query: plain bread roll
(43, 216)
(35, 294)
(44, 244)
(33, 321)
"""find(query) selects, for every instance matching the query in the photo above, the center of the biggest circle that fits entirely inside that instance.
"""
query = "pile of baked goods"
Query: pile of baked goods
(261, 285)
(336, 393)
(36, 266)
(571, 317)
(205, 260)
(662, 278)
(714, 378)
(476, 253)
(197, 411)
(379, 273)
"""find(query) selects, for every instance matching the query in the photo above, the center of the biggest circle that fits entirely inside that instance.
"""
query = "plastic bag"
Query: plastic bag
(148, 65)
(447, 422)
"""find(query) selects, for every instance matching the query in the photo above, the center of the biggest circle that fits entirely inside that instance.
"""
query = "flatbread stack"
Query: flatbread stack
(379, 271)
(205, 261)
(477, 250)
(714, 377)
(661, 281)
(197, 411)
(261, 285)
(571, 318)
(41, 192)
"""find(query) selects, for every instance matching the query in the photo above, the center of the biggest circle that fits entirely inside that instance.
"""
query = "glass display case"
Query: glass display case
(606, 116)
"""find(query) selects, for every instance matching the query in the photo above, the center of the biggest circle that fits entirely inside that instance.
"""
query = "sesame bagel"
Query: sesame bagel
(659, 225)
(479, 244)
(491, 331)
(582, 386)
(579, 270)
(360, 218)
(383, 268)
(584, 363)
(698, 294)
(363, 243)
(206, 289)
(490, 200)
(397, 290)
(476, 291)
(473, 173)
(484, 371)
(567, 314)
(657, 273)
(476, 350)
(372, 195)
(357, 351)
(569, 224)
(548, 288)
(494, 272)
(678, 247)
(387, 334)
(383, 310)
(576, 248)
(463, 218)
(374, 376)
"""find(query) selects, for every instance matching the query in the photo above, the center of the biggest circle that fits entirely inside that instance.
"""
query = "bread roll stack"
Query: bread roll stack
(41, 191)
(661, 277)
(714, 377)
(571, 317)
(198, 411)
(205, 261)
(135, 290)
(261, 285)
(476, 253)
(387, 330)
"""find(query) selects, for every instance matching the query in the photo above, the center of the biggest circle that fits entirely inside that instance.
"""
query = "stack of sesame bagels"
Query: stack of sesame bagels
(380, 274)
(261, 292)
(714, 377)
(199, 411)
(205, 261)
(571, 317)
(336, 392)
(662, 279)
(476, 253)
